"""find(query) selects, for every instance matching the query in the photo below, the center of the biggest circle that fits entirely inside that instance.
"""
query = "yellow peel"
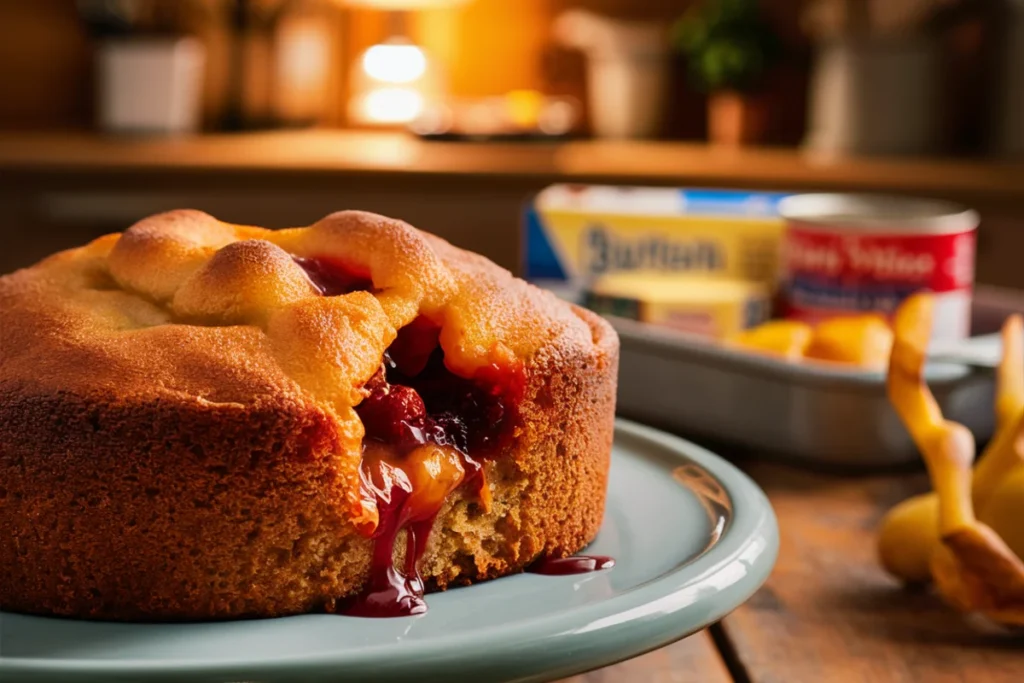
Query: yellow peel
(973, 566)
(1003, 453)
(908, 536)
(1010, 374)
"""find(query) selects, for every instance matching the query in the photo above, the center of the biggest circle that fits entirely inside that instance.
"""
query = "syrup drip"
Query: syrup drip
(577, 564)
(392, 593)
(416, 406)
(401, 504)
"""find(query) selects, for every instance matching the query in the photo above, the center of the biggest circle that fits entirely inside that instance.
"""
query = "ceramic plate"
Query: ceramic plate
(692, 537)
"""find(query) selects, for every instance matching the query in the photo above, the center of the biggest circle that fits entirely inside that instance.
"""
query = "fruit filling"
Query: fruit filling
(433, 406)
(408, 493)
(333, 278)
(426, 431)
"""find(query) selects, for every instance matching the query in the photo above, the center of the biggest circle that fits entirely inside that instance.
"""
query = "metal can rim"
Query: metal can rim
(877, 214)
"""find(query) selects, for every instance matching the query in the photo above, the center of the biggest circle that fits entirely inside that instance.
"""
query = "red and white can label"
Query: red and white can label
(828, 273)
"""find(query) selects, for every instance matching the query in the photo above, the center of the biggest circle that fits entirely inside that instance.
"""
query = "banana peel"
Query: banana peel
(938, 536)
(908, 537)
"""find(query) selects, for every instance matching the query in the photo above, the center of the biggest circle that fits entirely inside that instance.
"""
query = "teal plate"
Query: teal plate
(692, 536)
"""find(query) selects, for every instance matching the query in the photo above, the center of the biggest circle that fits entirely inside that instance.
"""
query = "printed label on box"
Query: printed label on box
(574, 234)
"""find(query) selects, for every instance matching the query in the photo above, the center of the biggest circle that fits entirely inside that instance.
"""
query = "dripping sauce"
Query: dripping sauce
(417, 410)
(577, 564)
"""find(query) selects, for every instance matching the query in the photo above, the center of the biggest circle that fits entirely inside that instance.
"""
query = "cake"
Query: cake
(201, 420)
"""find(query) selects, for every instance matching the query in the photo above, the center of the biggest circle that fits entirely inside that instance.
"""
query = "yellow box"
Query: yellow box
(713, 307)
(575, 234)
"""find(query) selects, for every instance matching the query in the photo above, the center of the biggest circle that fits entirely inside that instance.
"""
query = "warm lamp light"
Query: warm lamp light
(391, 84)
(392, 105)
(394, 63)
(394, 82)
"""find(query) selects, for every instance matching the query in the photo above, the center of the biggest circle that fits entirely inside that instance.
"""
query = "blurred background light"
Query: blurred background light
(394, 62)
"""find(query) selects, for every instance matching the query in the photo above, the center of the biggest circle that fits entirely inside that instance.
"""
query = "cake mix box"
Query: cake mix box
(574, 235)
(712, 307)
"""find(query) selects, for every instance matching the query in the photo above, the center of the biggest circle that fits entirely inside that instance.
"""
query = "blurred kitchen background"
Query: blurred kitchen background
(452, 113)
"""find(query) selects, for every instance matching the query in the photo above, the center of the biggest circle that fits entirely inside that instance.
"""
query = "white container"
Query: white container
(150, 85)
(875, 96)
(627, 72)
(627, 95)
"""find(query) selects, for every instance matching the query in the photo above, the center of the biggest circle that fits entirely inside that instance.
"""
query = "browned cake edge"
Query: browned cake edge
(185, 509)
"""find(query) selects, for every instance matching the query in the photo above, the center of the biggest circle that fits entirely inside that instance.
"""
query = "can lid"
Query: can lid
(872, 213)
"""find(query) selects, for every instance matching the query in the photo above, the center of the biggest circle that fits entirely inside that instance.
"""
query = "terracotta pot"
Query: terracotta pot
(737, 119)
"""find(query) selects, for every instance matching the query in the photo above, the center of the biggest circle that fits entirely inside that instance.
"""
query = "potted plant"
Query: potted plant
(729, 47)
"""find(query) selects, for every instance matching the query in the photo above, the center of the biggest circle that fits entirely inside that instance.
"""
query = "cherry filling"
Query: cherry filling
(332, 277)
(434, 406)
(426, 430)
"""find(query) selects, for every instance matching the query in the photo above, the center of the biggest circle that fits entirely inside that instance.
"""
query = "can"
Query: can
(848, 254)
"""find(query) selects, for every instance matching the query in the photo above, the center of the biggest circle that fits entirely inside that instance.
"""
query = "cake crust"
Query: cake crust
(178, 435)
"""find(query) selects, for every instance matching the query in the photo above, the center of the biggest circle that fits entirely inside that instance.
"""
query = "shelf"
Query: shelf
(367, 153)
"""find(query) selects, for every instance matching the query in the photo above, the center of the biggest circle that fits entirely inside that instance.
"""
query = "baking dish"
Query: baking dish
(810, 412)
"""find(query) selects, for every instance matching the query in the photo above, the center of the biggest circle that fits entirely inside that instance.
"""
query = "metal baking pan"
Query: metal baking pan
(817, 414)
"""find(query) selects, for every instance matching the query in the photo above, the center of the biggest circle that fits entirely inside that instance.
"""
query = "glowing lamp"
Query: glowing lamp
(392, 83)
(395, 81)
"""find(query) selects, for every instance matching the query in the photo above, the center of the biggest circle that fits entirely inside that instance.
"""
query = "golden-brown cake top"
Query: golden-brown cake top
(184, 307)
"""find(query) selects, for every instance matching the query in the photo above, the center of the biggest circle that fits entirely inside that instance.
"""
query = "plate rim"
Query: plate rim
(637, 621)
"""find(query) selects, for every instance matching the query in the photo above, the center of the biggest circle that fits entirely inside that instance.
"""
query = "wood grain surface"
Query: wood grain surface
(828, 612)
(341, 152)
(692, 660)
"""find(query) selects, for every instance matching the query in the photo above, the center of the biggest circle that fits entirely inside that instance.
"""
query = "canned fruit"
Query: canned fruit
(849, 254)
(786, 338)
(863, 341)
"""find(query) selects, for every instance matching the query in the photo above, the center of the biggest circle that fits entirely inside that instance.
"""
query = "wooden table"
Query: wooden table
(828, 612)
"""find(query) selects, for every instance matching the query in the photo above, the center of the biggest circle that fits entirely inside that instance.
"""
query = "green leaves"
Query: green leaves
(727, 43)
